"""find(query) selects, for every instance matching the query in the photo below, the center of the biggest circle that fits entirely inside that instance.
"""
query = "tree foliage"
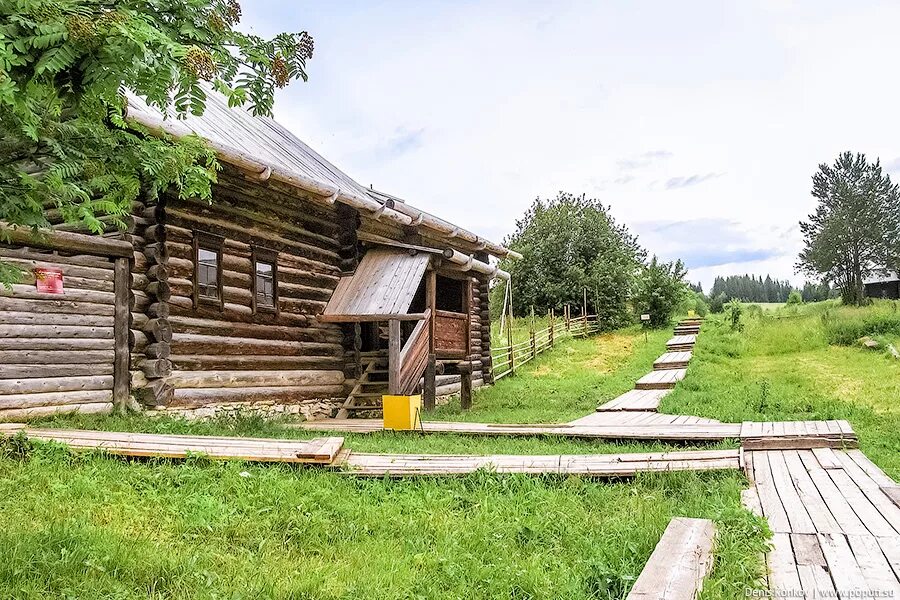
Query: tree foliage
(855, 229)
(571, 244)
(64, 67)
(660, 288)
(751, 288)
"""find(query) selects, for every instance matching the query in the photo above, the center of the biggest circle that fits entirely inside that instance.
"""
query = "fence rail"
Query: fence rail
(506, 359)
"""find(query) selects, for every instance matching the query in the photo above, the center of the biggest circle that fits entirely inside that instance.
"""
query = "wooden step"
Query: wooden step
(660, 380)
(672, 360)
(679, 563)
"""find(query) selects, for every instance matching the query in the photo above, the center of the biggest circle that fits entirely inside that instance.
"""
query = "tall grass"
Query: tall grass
(845, 325)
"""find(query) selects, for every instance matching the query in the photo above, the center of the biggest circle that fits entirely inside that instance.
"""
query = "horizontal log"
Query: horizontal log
(159, 330)
(158, 310)
(93, 273)
(55, 331)
(8, 401)
(231, 379)
(66, 344)
(35, 371)
(159, 290)
(158, 350)
(137, 340)
(155, 368)
(251, 330)
(13, 317)
(32, 357)
(155, 393)
(73, 295)
(196, 397)
(55, 260)
(21, 414)
(189, 343)
(213, 362)
(68, 242)
(55, 384)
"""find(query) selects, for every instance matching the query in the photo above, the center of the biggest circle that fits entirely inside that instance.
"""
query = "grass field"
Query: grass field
(781, 367)
(89, 526)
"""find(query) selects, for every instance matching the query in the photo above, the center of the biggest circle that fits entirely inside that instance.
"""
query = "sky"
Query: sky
(699, 123)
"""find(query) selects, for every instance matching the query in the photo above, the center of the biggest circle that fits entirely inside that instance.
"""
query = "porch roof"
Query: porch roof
(383, 285)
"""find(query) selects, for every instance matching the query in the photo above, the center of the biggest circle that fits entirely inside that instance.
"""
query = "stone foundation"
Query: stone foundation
(309, 409)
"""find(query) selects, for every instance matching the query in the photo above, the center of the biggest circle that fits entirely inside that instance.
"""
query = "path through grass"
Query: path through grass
(89, 526)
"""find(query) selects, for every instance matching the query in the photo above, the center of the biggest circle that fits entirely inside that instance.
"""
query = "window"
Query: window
(208, 273)
(265, 280)
(451, 295)
(208, 269)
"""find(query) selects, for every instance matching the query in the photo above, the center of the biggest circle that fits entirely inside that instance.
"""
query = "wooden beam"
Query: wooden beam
(77, 243)
(368, 318)
(121, 328)
(394, 356)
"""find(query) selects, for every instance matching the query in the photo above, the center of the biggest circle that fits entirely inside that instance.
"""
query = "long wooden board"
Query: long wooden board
(594, 465)
(315, 451)
(629, 430)
(679, 563)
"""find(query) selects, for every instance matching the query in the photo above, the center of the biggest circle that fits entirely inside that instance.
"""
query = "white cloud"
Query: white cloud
(666, 111)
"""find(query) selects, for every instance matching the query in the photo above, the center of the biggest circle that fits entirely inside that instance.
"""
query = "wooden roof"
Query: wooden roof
(384, 284)
(259, 137)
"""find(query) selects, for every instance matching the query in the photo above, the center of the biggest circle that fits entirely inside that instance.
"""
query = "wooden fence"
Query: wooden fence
(506, 359)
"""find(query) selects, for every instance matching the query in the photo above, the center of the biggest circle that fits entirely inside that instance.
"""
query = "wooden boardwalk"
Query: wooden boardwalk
(673, 360)
(316, 451)
(679, 563)
(836, 528)
(680, 343)
(641, 400)
(660, 380)
(593, 465)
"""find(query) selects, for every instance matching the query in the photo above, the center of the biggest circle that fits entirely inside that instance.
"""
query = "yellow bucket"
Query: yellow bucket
(401, 412)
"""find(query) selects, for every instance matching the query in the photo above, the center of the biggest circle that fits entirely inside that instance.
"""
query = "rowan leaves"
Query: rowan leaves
(65, 142)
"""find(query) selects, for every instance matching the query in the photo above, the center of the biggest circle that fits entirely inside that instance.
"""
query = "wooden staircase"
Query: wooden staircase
(397, 371)
(370, 387)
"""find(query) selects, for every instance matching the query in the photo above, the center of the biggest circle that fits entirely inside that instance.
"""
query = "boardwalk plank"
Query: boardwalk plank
(679, 563)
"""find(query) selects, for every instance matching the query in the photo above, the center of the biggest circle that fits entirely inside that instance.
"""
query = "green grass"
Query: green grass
(90, 526)
(782, 367)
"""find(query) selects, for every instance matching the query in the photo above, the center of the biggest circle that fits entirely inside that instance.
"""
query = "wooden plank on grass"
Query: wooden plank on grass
(679, 563)
(874, 566)
(797, 516)
(783, 575)
(848, 578)
(771, 504)
(815, 581)
(809, 496)
(318, 451)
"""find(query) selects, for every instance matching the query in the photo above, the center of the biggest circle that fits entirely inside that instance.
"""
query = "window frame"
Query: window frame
(211, 243)
(270, 257)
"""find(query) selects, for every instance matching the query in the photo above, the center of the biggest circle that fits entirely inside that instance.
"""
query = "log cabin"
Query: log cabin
(295, 287)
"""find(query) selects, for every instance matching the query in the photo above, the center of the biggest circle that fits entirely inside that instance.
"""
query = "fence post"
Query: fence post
(550, 313)
(533, 346)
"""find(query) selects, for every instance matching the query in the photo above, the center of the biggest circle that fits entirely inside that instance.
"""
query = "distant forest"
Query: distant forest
(752, 288)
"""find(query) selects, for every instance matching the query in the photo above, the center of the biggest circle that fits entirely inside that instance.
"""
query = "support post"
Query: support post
(550, 314)
(509, 335)
(465, 385)
(430, 389)
(121, 329)
(394, 357)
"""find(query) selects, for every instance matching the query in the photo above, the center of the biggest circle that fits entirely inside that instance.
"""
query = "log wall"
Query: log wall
(198, 355)
(57, 351)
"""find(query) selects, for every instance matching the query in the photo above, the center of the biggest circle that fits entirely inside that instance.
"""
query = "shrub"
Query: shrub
(717, 303)
(733, 310)
(794, 297)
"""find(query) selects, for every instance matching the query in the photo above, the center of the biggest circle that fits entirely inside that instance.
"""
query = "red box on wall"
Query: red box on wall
(48, 280)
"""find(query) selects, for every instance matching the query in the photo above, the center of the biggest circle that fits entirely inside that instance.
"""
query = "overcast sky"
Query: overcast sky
(700, 123)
